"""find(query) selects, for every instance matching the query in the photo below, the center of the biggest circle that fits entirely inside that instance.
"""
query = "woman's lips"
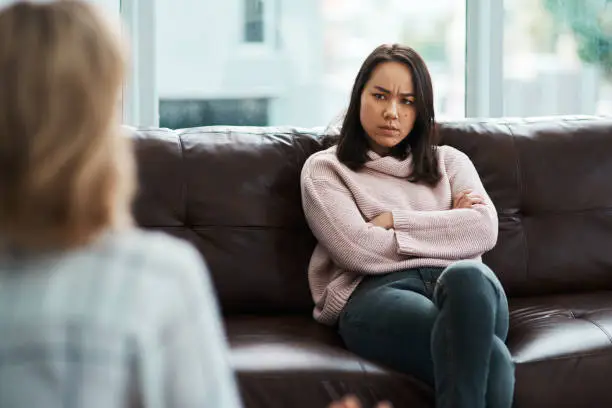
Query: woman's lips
(388, 130)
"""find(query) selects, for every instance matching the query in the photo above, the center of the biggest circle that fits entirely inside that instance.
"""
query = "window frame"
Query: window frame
(484, 63)
(140, 95)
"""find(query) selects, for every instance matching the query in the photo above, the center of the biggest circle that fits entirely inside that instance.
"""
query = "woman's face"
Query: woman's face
(388, 109)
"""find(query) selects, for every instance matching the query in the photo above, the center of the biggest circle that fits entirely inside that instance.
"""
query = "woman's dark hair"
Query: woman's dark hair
(421, 141)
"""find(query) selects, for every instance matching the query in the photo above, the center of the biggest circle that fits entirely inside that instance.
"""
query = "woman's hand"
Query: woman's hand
(352, 402)
(384, 220)
(466, 199)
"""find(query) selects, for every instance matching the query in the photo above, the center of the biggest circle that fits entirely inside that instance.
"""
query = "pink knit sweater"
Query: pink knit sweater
(339, 202)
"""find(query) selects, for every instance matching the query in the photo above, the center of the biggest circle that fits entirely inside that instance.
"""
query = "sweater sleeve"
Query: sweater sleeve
(454, 233)
(339, 226)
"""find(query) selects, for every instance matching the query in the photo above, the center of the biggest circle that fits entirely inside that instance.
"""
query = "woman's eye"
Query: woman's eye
(408, 102)
(380, 97)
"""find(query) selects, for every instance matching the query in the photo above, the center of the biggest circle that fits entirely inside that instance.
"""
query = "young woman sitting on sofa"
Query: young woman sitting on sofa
(93, 312)
(401, 225)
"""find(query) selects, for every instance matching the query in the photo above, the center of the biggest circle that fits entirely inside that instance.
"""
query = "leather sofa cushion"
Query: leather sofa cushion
(562, 346)
(563, 349)
(294, 361)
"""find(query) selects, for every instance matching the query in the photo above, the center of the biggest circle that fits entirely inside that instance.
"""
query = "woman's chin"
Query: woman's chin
(388, 142)
(384, 143)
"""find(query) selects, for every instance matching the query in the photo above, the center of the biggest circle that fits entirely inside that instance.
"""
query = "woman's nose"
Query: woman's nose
(391, 111)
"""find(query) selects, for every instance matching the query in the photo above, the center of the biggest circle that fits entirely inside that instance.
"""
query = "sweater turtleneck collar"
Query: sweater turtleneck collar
(389, 165)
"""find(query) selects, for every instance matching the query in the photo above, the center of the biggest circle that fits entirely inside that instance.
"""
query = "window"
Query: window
(176, 114)
(297, 58)
(254, 21)
(487, 58)
(557, 57)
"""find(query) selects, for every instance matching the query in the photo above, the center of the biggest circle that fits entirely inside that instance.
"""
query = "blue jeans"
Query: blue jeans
(447, 327)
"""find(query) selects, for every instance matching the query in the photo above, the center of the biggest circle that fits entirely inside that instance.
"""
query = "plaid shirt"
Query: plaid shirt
(129, 321)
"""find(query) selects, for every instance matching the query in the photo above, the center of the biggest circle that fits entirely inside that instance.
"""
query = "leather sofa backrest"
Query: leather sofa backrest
(551, 181)
(234, 193)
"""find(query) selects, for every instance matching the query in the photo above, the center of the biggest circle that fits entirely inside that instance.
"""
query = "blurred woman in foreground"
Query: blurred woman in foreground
(93, 312)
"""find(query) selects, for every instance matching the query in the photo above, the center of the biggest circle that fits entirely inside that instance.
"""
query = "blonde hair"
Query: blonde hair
(66, 172)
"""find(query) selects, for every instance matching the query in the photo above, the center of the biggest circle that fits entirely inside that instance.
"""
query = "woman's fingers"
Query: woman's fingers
(476, 198)
(466, 199)
(350, 401)
(458, 199)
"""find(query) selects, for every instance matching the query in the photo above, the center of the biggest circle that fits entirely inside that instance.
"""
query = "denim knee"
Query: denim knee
(500, 389)
(501, 359)
(468, 276)
(474, 286)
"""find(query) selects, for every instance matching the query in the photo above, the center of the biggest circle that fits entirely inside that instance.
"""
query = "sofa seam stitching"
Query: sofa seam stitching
(184, 177)
(520, 187)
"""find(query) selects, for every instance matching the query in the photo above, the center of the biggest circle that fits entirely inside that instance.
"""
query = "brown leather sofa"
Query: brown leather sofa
(234, 193)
